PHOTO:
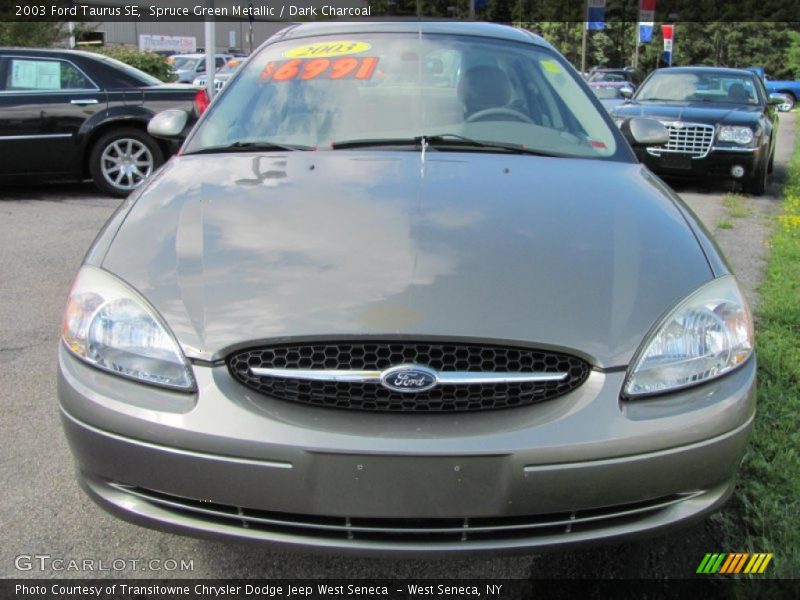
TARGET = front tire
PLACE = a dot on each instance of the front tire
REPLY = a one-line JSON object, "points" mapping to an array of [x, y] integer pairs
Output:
{"points": [[122, 159], [788, 104], [757, 184]]}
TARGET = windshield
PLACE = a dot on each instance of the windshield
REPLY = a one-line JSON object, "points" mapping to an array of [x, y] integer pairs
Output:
{"points": [[607, 76], [187, 64], [699, 87], [179, 62], [230, 66], [606, 92], [315, 92]]}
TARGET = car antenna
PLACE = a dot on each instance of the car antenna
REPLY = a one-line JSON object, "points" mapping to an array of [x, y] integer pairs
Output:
{"points": [[423, 142]]}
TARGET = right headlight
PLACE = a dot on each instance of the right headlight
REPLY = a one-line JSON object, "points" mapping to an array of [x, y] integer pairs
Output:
{"points": [[707, 335], [739, 135], [110, 326]]}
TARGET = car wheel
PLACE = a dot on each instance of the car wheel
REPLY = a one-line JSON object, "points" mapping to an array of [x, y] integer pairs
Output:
{"points": [[122, 159], [771, 165], [757, 185], [787, 104]]}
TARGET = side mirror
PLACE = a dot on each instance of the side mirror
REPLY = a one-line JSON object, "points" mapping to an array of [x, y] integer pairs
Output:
{"points": [[776, 99], [168, 124], [645, 132], [626, 91]]}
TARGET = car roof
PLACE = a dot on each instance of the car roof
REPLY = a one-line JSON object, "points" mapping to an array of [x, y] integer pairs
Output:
{"points": [[709, 70], [45, 51], [198, 55], [477, 29]]}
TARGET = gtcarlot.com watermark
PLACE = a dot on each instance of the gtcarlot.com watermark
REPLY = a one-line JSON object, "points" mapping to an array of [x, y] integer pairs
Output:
{"points": [[46, 562]]}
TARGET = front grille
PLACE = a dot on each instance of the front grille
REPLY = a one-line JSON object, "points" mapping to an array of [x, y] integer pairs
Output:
{"points": [[407, 530], [693, 139], [382, 355]]}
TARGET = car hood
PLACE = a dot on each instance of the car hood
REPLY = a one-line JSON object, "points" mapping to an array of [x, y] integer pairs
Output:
{"points": [[691, 112], [570, 254]]}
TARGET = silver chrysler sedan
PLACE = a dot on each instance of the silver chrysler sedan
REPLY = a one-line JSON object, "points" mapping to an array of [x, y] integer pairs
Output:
{"points": [[407, 289]]}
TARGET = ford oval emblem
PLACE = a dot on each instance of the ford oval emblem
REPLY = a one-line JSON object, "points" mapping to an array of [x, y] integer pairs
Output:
{"points": [[408, 379]]}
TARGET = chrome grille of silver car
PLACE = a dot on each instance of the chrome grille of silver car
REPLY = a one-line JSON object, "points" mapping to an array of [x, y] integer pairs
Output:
{"points": [[406, 530], [694, 139], [345, 375]]}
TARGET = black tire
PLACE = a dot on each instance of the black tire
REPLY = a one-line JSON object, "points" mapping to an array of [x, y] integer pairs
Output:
{"points": [[771, 165], [133, 149], [757, 184]]}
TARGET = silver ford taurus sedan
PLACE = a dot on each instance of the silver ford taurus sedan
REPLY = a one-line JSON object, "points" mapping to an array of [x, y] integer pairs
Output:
{"points": [[407, 289]]}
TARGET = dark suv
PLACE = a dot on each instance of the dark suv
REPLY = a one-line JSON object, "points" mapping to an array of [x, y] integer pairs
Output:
{"points": [[72, 114]]}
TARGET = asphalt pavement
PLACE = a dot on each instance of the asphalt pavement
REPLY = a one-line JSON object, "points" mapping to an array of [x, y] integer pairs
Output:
{"points": [[44, 232]]}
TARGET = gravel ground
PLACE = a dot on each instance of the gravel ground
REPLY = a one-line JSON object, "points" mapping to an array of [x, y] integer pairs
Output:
{"points": [[45, 230]]}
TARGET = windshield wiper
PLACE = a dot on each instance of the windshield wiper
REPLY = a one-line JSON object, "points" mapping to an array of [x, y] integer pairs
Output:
{"points": [[375, 143], [453, 139], [449, 140], [248, 146]]}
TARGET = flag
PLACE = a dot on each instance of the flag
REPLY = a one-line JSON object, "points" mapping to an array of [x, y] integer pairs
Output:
{"points": [[647, 14], [668, 31], [595, 14]]}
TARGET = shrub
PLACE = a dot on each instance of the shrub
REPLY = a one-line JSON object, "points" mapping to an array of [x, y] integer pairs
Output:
{"points": [[149, 62]]}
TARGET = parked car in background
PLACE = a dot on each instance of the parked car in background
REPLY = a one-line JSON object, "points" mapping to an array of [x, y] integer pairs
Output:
{"points": [[188, 66], [222, 76], [633, 77], [790, 89], [612, 93], [366, 311], [73, 114], [722, 123]]}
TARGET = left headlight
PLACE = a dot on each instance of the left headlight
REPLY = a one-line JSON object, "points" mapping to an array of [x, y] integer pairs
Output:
{"points": [[707, 335], [739, 135], [109, 325]]}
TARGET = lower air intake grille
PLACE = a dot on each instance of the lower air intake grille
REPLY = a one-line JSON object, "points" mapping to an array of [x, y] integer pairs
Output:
{"points": [[400, 531], [378, 356]]}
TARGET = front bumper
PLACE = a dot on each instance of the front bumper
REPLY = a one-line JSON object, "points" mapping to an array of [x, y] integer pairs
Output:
{"points": [[226, 462], [717, 164]]}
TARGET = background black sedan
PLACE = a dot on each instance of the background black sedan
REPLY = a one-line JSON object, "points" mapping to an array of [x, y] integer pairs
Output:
{"points": [[721, 123], [71, 114]]}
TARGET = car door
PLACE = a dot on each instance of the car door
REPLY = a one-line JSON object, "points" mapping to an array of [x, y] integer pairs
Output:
{"points": [[43, 103]]}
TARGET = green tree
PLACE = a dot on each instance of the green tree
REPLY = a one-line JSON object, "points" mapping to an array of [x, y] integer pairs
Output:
{"points": [[32, 34], [793, 55]]}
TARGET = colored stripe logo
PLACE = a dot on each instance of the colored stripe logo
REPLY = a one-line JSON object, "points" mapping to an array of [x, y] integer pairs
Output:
{"points": [[731, 563]]}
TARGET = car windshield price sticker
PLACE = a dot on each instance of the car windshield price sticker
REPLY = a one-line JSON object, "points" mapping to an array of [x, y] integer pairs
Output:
{"points": [[35, 75], [328, 49], [320, 68]]}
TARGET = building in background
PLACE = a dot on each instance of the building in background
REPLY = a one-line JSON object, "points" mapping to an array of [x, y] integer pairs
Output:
{"points": [[179, 37]]}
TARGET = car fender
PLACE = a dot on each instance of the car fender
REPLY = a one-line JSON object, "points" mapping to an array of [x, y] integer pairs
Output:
{"points": [[119, 115]]}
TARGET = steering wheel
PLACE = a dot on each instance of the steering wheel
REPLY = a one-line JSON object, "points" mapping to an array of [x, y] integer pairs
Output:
{"points": [[505, 112]]}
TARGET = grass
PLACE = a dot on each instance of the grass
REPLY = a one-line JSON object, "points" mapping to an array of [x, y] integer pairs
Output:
{"points": [[765, 513], [735, 205], [724, 224]]}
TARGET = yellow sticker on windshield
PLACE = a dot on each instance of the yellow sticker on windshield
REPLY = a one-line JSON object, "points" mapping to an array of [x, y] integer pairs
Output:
{"points": [[551, 65], [328, 49]]}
